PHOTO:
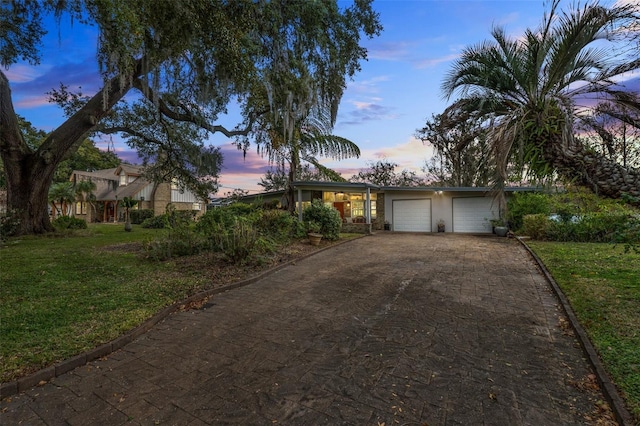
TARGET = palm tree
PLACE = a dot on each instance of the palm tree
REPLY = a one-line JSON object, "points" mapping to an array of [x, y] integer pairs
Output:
{"points": [[128, 203], [62, 193], [298, 127], [309, 141], [84, 191], [533, 92]]}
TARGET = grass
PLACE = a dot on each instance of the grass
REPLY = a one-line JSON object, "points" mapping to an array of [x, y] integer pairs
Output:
{"points": [[602, 284], [61, 296], [65, 294]]}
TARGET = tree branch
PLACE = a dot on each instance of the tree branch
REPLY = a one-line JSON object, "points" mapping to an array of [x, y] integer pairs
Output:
{"points": [[190, 117], [11, 140]]}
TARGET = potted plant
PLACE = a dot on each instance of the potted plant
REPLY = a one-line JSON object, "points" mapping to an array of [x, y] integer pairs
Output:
{"points": [[387, 225], [440, 224], [313, 232], [500, 227]]}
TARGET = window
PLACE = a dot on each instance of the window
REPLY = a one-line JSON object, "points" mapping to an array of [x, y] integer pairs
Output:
{"points": [[81, 207], [123, 179], [350, 204], [357, 209], [196, 206]]}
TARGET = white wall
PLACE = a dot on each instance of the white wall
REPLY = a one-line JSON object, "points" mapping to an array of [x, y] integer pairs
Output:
{"points": [[441, 204]]}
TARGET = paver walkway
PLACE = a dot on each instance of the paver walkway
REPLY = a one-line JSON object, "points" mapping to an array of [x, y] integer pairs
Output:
{"points": [[388, 329]]}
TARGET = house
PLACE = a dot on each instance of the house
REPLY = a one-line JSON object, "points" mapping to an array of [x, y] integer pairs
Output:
{"points": [[365, 207], [113, 185]]}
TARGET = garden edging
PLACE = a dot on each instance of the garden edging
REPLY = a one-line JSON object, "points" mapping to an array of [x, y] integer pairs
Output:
{"points": [[610, 391], [27, 382]]}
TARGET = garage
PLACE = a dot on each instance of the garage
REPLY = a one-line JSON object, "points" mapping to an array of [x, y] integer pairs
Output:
{"points": [[412, 215], [473, 214]]}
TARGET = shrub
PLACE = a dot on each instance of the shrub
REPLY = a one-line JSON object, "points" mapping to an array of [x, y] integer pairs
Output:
{"points": [[535, 226], [9, 224], [524, 203], [180, 241], [238, 242], [597, 227], [69, 222], [139, 216], [276, 224], [242, 209], [327, 217], [211, 221], [157, 222]]}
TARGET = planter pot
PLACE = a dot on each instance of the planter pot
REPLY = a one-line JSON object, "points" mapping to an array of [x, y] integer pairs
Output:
{"points": [[387, 227], [501, 231], [440, 227], [314, 238]]}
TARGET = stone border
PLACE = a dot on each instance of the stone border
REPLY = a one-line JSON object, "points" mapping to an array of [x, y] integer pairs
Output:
{"points": [[623, 416], [48, 373]]}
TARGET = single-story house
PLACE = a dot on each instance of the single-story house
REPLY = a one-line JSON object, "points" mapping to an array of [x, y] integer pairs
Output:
{"points": [[365, 207], [113, 185]]}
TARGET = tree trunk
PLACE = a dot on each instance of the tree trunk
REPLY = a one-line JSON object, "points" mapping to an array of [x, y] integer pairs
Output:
{"points": [[27, 196], [593, 170], [291, 199]]}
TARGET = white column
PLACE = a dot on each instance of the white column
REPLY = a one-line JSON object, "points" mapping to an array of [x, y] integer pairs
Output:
{"points": [[300, 204], [368, 206]]}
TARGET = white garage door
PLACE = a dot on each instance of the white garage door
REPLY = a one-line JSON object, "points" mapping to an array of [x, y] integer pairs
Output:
{"points": [[412, 215], [473, 214]]}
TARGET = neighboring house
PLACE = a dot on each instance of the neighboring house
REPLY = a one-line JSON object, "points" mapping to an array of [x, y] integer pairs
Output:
{"points": [[113, 185], [364, 207]]}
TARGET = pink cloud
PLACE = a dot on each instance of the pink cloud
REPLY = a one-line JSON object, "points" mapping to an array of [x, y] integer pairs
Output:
{"points": [[28, 102], [22, 73], [432, 62], [410, 150]]}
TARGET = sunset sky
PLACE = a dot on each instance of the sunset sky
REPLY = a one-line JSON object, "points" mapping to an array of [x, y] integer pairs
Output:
{"points": [[397, 89]]}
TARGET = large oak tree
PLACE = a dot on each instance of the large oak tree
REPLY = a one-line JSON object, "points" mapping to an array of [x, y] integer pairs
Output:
{"points": [[184, 61]]}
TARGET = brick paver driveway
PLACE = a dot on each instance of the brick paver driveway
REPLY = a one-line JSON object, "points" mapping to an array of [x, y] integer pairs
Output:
{"points": [[388, 329]]}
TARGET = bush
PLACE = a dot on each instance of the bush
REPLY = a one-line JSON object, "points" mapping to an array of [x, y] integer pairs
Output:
{"points": [[69, 222], [597, 227], [139, 216], [535, 226], [238, 242], [157, 222], [226, 216], [242, 209], [180, 241], [524, 203], [327, 217], [276, 224], [9, 224]]}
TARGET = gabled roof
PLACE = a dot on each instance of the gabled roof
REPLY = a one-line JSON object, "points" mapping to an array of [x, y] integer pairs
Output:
{"points": [[129, 169], [107, 182], [104, 174]]}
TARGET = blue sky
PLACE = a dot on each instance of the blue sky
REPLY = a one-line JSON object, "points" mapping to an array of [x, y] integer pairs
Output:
{"points": [[397, 89]]}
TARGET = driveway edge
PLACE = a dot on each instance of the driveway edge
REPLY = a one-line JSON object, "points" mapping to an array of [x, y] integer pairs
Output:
{"points": [[623, 416], [44, 375]]}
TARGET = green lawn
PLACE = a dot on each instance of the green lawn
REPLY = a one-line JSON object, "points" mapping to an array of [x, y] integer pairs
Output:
{"points": [[63, 295], [603, 286]]}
